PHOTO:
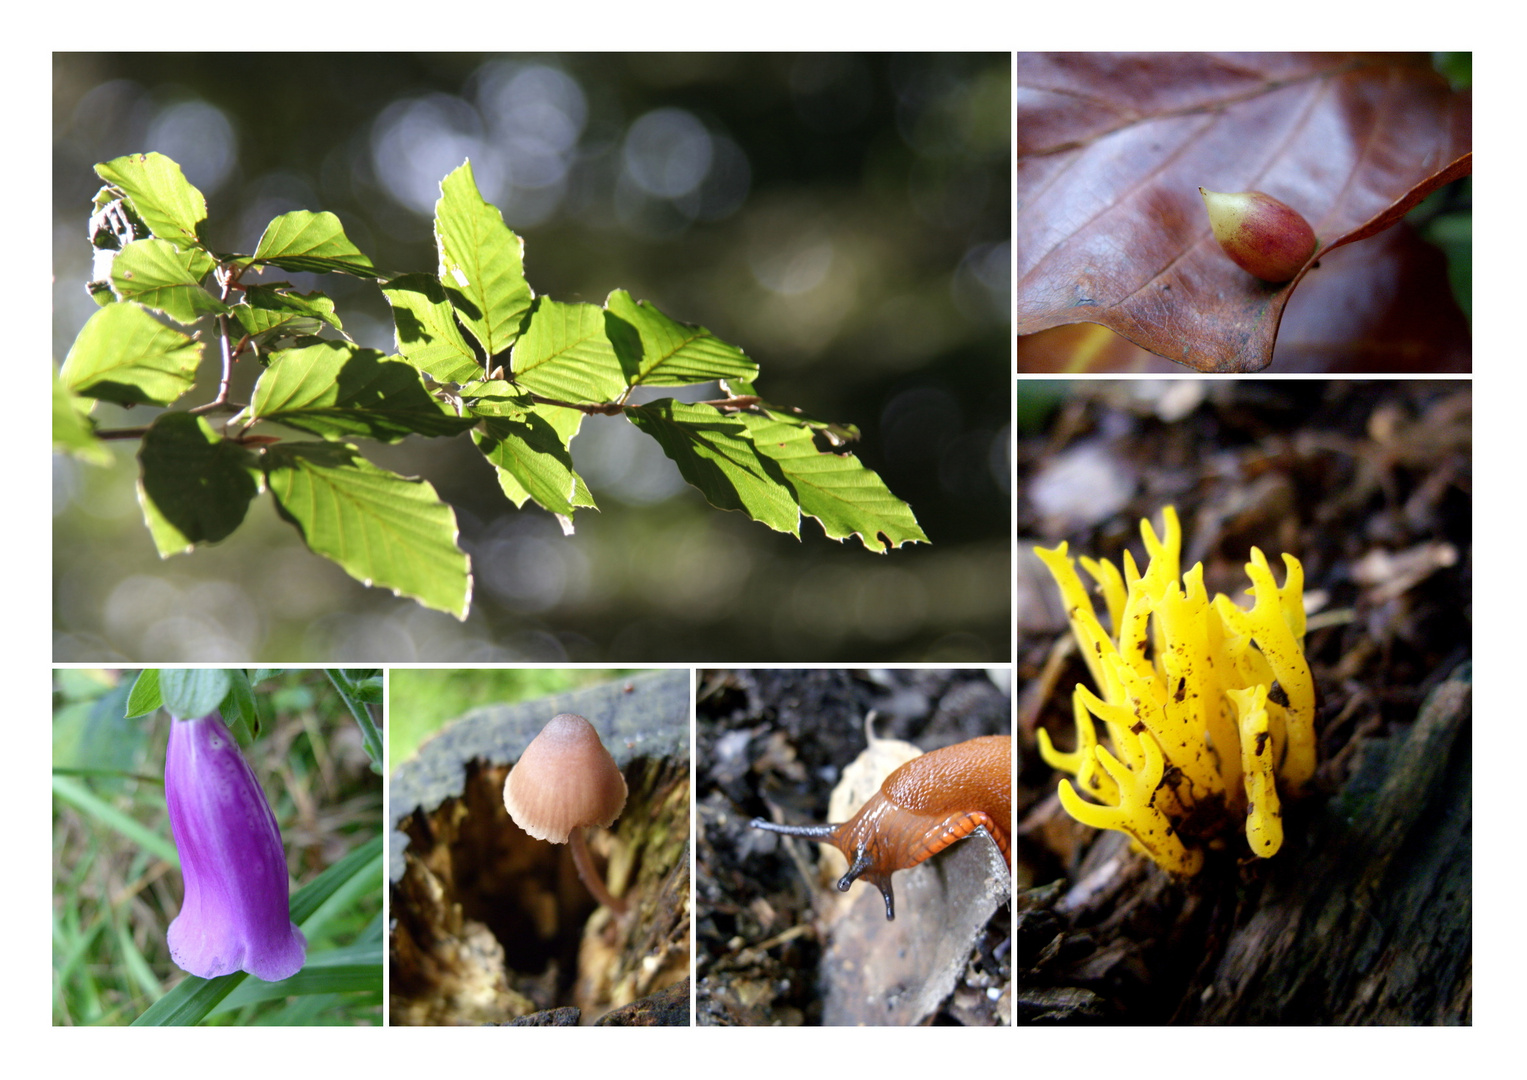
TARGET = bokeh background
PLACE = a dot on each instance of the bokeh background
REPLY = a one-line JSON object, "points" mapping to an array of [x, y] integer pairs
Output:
{"points": [[843, 219]]}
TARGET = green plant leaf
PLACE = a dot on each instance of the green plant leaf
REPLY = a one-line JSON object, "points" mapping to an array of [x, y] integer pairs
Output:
{"points": [[566, 354], [318, 976], [530, 459], [158, 275], [481, 264], [191, 693], [113, 222], [160, 195], [654, 350], [528, 446], [124, 354], [516, 436], [79, 795], [73, 433], [715, 453], [426, 330], [193, 485], [144, 697], [241, 711], [189, 1001], [837, 434], [836, 489], [354, 694], [334, 390], [316, 243], [382, 528], [364, 860], [367, 684], [269, 312]]}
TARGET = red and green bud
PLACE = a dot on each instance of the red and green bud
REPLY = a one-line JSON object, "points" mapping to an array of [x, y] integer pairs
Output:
{"points": [[1266, 238]]}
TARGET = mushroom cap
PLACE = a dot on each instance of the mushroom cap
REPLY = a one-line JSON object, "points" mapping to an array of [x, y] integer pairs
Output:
{"points": [[563, 781]]}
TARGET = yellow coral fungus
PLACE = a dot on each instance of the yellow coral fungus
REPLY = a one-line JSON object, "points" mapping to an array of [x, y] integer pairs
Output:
{"points": [[1208, 708]]}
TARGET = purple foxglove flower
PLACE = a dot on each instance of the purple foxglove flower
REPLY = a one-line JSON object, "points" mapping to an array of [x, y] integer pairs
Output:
{"points": [[236, 913]]}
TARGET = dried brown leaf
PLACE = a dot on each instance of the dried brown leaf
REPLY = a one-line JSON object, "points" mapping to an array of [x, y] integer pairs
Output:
{"points": [[1113, 148]]}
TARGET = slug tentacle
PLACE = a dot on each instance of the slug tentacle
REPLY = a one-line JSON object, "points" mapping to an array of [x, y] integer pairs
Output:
{"points": [[863, 867], [811, 832]]}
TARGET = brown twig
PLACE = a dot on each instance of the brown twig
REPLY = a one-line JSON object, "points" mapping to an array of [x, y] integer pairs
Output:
{"points": [[608, 408]]}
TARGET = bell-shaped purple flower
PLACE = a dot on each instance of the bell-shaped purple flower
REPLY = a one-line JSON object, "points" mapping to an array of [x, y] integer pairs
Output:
{"points": [[236, 913]]}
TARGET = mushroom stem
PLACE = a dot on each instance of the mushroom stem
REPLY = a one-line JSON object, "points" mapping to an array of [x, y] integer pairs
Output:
{"points": [[585, 864]]}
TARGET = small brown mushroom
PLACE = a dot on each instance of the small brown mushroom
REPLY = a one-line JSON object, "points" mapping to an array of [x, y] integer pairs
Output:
{"points": [[564, 782]]}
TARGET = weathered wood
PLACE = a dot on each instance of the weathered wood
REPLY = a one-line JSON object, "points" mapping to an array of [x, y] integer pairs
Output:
{"points": [[644, 716], [1375, 927]]}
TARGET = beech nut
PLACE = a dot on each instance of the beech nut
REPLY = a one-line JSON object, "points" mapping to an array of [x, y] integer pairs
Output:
{"points": [[1266, 238]]}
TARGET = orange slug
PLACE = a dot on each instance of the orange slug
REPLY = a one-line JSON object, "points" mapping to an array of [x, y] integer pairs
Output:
{"points": [[923, 807]]}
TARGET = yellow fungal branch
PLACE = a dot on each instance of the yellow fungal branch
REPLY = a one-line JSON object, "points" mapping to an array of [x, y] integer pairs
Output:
{"points": [[1208, 708]]}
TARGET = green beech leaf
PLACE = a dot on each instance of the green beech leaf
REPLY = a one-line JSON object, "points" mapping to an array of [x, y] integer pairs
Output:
{"points": [[303, 240], [194, 486], [566, 354], [114, 223], [481, 264], [191, 693], [528, 447], [655, 350], [160, 194], [565, 422], [426, 329], [835, 433], [382, 528], [531, 461], [158, 275], [836, 489], [73, 433], [271, 311], [334, 389], [124, 354], [715, 453], [530, 464]]}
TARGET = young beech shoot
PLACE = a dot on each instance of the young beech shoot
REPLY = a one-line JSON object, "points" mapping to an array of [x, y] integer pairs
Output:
{"points": [[476, 351], [1266, 238]]}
